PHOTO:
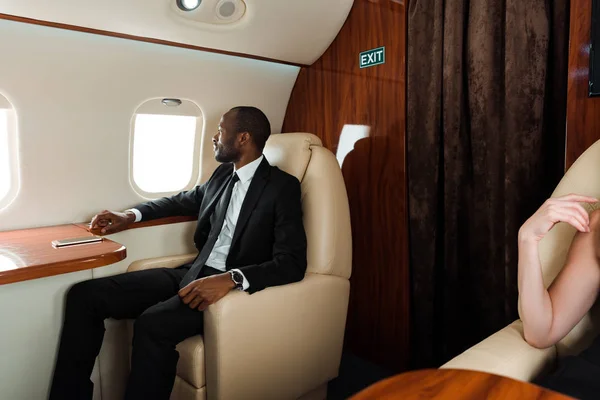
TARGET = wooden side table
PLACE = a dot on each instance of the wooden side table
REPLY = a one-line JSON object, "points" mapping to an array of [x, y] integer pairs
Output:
{"points": [[454, 384], [28, 254]]}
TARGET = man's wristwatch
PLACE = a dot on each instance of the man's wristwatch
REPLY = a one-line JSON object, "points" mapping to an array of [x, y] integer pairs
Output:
{"points": [[237, 278]]}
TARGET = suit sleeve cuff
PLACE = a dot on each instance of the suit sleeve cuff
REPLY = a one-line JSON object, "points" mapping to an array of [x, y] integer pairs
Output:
{"points": [[138, 214], [246, 284]]}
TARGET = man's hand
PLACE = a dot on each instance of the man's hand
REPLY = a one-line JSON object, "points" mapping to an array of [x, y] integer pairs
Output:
{"points": [[108, 222], [203, 292]]}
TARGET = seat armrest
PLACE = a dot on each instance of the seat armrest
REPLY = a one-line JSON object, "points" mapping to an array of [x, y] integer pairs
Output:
{"points": [[278, 343], [506, 353], [161, 262]]}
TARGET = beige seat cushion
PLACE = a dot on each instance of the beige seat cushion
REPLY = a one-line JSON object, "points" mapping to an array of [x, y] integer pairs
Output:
{"points": [[324, 200], [505, 353], [190, 367], [191, 361]]}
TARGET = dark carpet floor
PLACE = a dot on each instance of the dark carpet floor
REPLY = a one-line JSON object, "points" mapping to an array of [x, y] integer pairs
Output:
{"points": [[355, 375]]}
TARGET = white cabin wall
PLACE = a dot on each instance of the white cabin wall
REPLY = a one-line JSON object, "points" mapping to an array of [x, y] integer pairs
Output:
{"points": [[75, 94], [31, 314]]}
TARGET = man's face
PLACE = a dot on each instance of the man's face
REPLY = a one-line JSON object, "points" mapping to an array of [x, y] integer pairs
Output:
{"points": [[225, 142]]}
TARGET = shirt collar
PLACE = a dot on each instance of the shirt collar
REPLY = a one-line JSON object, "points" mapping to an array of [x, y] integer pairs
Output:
{"points": [[247, 172]]}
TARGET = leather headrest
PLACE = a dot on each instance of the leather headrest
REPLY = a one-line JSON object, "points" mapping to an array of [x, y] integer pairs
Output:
{"points": [[290, 152]]}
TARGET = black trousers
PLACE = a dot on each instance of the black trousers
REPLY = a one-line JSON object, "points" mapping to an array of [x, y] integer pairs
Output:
{"points": [[577, 376], [161, 321]]}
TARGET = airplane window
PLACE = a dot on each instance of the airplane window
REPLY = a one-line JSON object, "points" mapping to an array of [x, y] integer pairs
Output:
{"points": [[164, 152], [8, 172], [4, 166]]}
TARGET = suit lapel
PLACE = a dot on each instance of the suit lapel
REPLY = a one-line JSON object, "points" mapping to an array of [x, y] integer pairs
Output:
{"points": [[255, 190]]}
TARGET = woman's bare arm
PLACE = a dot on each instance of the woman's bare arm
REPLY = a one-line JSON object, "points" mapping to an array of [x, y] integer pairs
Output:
{"points": [[548, 315]]}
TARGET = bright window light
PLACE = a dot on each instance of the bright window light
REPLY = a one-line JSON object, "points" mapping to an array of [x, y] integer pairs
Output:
{"points": [[4, 154], [349, 136], [163, 152]]}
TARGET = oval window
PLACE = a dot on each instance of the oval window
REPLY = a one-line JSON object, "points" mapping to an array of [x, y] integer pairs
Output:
{"points": [[164, 147], [9, 177]]}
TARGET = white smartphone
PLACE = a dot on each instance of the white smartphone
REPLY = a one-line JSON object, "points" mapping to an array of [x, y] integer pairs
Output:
{"points": [[76, 241]]}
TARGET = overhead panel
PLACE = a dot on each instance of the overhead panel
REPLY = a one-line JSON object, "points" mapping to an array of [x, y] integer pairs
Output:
{"points": [[293, 31]]}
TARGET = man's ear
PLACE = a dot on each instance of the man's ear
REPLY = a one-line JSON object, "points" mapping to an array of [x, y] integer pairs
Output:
{"points": [[244, 138]]}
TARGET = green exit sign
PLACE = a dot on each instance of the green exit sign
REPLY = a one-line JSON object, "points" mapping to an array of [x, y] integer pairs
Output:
{"points": [[373, 57]]}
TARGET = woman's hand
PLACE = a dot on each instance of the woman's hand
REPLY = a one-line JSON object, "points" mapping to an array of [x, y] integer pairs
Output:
{"points": [[561, 209]]}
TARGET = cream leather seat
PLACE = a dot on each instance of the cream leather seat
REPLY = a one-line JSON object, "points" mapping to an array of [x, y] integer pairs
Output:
{"points": [[506, 352], [284, 342]]}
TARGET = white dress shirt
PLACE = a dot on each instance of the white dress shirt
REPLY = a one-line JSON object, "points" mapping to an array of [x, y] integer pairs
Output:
{"points": [[219, 253]]}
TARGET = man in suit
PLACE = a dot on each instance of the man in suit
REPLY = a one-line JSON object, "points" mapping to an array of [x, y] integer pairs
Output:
{"points": [[249, 235]]}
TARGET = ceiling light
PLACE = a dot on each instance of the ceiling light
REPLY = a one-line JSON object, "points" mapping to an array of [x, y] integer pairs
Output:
{"points": [[188, 5]]}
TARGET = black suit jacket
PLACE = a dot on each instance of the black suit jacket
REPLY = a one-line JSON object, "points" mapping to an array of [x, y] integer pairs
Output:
{"points": [[269, 241]]}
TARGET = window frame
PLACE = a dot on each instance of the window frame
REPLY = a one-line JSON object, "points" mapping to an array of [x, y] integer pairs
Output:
{"points": [[13, 153], [154, 106]]}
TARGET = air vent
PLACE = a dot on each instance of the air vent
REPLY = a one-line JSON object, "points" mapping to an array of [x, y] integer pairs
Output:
{"points": [[227, 9], [230, 10]]}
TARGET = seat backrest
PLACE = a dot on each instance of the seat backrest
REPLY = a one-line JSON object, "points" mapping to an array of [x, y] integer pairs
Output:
{"points": [[582, 178], [324, 199]]}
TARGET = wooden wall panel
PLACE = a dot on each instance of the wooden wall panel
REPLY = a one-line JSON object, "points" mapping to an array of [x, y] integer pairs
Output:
{"points": [[334, 93], [583, 112]]}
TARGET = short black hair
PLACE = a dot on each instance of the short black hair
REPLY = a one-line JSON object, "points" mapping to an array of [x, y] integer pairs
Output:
{"points": [[255, 122]]}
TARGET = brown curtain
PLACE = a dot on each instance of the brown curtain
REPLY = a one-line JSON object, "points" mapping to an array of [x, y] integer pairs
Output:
{"points": [[486, 96]]}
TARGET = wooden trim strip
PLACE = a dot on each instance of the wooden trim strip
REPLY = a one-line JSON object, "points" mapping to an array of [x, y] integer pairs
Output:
{"points": [[156, 222], [163, 221], [94, 31]]}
